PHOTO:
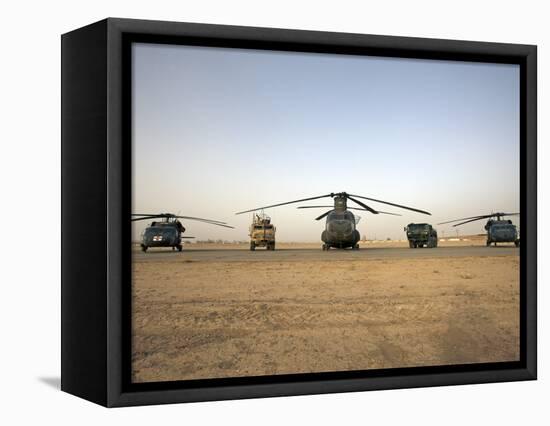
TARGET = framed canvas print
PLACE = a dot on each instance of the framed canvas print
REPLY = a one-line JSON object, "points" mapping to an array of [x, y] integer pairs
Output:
{"points": [[253, 212]]}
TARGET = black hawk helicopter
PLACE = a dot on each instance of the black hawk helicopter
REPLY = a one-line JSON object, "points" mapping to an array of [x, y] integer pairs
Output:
{"points": [[498, 230], [340, 229], [168, 231]]}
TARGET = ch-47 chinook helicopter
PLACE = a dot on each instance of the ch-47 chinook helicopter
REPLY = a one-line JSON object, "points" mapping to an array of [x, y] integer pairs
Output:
{"points": [[168, 231], [498, 230], [340, 230]]}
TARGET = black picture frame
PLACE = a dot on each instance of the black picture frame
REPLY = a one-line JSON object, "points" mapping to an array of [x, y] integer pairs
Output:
{"points": [[95, 290]]}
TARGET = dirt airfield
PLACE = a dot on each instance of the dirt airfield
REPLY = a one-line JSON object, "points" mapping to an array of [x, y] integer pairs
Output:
{"points": [[196, 319]]}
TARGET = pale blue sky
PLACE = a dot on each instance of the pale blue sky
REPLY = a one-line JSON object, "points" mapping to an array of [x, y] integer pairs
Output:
{"points": [[219, 130]]}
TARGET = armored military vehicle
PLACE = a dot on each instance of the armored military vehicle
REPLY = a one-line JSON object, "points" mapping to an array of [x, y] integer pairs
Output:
{"points": [[262, 232], [421, 234]]}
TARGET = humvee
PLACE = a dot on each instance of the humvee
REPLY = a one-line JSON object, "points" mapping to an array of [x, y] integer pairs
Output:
{"points": [[262, 232], [420, 235]]}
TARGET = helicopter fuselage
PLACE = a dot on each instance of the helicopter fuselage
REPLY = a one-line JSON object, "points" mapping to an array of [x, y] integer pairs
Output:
{"points": [[340, 231], [162, 234], [501, 231]]}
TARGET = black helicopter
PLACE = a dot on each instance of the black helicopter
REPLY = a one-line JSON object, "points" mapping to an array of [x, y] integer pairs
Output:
{"points": [[168, 231], [340, 230], [498, 230]]}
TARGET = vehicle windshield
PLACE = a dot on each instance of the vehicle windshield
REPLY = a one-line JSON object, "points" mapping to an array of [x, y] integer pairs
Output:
{"points": [[419, 227]]}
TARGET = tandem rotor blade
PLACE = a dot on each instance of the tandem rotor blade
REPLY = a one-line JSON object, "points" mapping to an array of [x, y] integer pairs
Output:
{"points": [[379, 211], [285, 203], [349, 208], [363, 205], [392, 204], [323, 215], [393, 214]]}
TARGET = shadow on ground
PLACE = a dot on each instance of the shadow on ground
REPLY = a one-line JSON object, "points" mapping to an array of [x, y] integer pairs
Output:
{"points": [[54, 382]]}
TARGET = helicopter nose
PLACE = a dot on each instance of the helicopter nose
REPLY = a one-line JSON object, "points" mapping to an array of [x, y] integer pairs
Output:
{"points": [[340, 228]]}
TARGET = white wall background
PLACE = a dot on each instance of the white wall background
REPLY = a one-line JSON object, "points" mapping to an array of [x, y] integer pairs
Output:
{"points": [[30, 202]]}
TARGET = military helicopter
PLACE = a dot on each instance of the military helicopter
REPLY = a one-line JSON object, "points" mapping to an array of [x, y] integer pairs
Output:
{"points": [[498, 230], [340, 229], [168, 231]]}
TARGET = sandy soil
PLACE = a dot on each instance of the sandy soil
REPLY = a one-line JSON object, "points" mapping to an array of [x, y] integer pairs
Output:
{"points": [[196, 319]]}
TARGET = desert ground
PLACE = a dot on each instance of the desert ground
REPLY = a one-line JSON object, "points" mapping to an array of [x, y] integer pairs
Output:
{"points": [[218, 310]]}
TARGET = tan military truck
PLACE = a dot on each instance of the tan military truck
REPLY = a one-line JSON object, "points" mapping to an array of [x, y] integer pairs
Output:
{"points": [[262, 232]]}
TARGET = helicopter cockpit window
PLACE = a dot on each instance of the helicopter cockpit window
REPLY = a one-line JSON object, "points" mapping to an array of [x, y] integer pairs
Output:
{"points": [[341, 216], [164, 231]]}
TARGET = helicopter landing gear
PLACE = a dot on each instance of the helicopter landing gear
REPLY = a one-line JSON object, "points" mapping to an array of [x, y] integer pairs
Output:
{"points": [[143, 248], [179, 247]]}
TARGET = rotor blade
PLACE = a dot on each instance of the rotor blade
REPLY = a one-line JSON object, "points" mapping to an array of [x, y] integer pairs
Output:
{"points": [[282, 204], [467, 218], [218, 224], [363, 205], [510, 214], [379, 211], [471, 220], [392, 204], [200, 218], [349, 208], [393, 214], [186, 237], [323, 215], [144, 218]]}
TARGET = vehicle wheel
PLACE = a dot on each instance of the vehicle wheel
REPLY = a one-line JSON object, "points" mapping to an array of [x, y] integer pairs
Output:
{"points": [[143, 248], [411, 244], [488, 243], [273, 246], [252, 246], [179, 247], [355, 247], [516, 243], [325, 247]]}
